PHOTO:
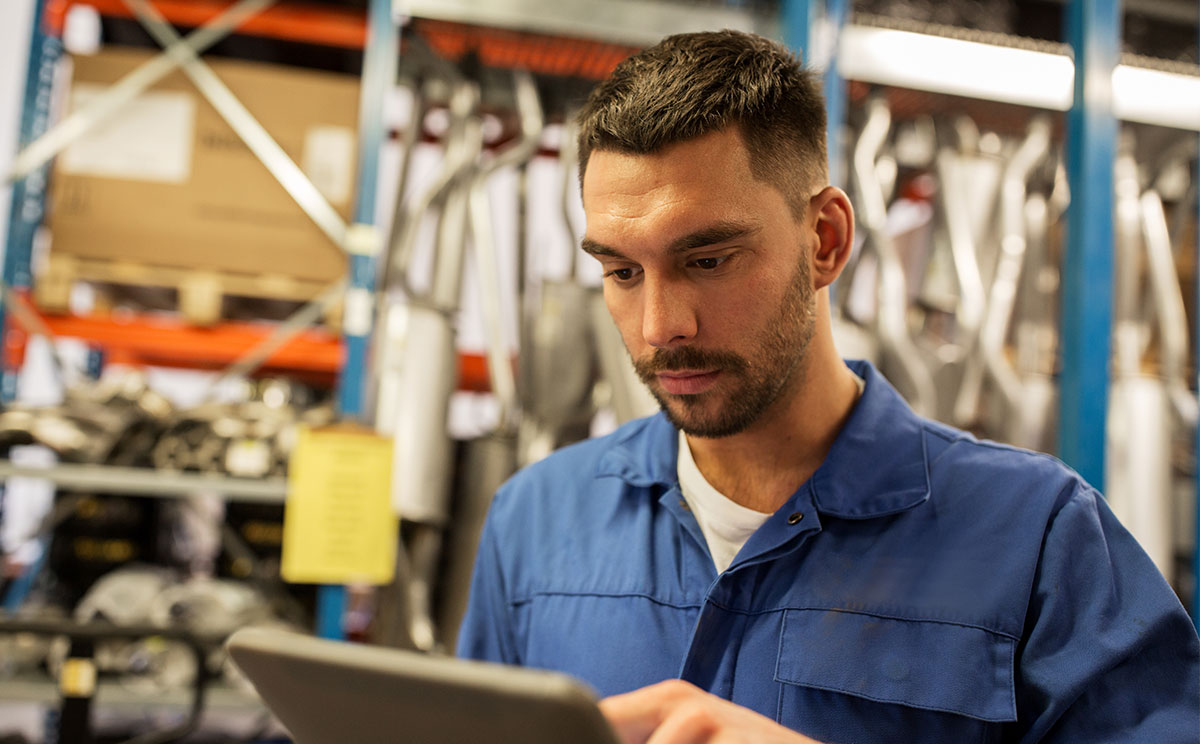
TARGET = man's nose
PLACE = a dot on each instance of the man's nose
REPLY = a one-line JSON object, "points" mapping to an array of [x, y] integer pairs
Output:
{"points": [[668, 314]]}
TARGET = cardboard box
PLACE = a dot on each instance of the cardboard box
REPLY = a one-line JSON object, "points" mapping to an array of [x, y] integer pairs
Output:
{"points": [[166, 182]]}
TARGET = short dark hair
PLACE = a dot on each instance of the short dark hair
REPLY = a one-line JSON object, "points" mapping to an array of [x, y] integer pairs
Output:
{"points": [[689, 85]]}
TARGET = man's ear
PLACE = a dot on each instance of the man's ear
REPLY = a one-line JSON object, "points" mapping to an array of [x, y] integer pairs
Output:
{"points": [[832, 217]]}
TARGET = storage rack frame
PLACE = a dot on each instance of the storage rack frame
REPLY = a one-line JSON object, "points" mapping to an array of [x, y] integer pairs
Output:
{"points": [[1094, 35]]}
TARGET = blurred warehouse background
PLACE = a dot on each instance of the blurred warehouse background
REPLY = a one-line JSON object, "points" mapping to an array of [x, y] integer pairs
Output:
{"points": [[359, 218]]}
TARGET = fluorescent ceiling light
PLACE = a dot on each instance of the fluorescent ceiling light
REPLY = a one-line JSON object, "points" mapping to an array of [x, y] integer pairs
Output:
{"points": [[956, 67], [1010, 75], [1156, 97]]}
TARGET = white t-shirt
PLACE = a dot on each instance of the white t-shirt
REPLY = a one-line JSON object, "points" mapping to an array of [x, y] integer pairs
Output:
{"points": [[726, 524]]}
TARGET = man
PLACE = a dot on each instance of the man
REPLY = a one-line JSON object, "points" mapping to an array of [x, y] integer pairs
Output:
{"points": [[787, 540]]}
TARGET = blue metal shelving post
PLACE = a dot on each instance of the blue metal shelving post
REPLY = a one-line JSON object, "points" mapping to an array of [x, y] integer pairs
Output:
{"points": [[835, 91], [802, 32], [797, 22], [29, 193], [818, 45], [1094, 32], [363, 243]]}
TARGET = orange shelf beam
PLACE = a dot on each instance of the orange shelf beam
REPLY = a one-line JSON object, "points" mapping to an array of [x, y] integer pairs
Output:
{"points": [[169, 341], [539, 53], [344, 27], [315, 24], [164, 341]]}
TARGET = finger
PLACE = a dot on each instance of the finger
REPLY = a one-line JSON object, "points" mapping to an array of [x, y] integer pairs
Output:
{"points": [[689, 723], [634, 715]]}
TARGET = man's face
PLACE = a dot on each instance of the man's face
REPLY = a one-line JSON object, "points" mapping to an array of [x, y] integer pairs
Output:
{"points": [[706, 273]]}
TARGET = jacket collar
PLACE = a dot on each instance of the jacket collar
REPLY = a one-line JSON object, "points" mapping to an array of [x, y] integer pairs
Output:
{"points": [[877, 465]]}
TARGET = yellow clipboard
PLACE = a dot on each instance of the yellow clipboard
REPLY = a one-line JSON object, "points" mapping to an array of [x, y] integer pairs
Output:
{"points": [[338, 523]]}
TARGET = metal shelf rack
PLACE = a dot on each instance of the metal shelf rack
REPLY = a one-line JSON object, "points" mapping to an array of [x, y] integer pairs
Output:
{"points": [[157, 483], [812, 24], [376, 32], [1096, 94]]}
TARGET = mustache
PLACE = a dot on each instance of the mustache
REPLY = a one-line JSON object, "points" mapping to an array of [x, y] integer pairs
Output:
{"points": [[686, 357]]}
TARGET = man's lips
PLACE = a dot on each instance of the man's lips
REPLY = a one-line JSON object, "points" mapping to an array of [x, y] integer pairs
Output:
{"points": [[688, 382]]}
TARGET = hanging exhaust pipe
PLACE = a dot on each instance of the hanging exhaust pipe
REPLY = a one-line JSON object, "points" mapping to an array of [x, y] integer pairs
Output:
{"points": [[998, 314], [557, 352], [891, 316], [1138, 465], [415, 391], [489, 460]]}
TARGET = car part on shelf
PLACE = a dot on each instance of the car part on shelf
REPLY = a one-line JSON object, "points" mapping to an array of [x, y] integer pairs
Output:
{"points": [[1024, 418], [1138, 459], [416, 386], [415, 390], [1148, 411], [82, 636], [489, 460], [251, 438], [558, 365], [529, 112], [112, 421], [891, 314], [152, 597]]}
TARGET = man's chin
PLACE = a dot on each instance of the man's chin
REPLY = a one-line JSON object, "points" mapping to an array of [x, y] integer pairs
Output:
{"points": [[686, 413]]}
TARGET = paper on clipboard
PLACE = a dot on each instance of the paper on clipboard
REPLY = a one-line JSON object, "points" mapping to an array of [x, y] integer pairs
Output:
{"points": [[338, 525]]}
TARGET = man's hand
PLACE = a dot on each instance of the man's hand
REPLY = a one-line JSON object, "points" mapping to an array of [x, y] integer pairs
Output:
{"points": [[677, 712]]}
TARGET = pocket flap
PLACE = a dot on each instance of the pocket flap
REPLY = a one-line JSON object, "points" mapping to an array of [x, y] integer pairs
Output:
{"points": [[922, 664]]}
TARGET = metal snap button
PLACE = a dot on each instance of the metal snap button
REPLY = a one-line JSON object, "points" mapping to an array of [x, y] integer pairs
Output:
{"points": [[795, 517]]}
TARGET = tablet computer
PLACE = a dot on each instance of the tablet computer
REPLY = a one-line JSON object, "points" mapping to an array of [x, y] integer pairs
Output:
{"points": [[331, 692]]}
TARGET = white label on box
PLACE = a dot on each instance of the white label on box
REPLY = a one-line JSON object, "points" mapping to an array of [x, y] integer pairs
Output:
{"points": [[329, 161], [148, 139]]}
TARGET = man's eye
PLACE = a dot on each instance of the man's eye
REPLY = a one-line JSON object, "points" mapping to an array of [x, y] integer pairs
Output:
{"points": [[709, 263], [621, 275]]}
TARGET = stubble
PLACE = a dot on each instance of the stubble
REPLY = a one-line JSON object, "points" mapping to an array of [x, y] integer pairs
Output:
{"points": [[752, 385]]}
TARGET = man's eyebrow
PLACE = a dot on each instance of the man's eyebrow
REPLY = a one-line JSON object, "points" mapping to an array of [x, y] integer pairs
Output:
{"points": [[718, 233], [598, 249]]}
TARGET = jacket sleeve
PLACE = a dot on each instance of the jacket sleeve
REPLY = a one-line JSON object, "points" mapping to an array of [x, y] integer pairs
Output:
{"points": [[486, 632], [1108, 653]]}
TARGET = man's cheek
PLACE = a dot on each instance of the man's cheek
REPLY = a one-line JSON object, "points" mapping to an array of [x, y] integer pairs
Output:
{"points": [[629, 323]]}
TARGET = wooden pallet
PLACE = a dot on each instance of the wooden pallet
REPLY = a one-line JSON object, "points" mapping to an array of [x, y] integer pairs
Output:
{"points": [[200, 293]]}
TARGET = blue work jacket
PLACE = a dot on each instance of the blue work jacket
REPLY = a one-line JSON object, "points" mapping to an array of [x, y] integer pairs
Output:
{"points": [[922, 586]]}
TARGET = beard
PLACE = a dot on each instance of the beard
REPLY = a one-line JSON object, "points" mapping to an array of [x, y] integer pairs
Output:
{"points": [[757, 382]]}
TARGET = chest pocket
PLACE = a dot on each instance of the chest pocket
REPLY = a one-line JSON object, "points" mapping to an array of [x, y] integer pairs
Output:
{"points": [[848, 677]]}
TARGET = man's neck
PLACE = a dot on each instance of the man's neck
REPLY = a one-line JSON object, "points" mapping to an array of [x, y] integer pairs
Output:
{"points": [[761, 467]]}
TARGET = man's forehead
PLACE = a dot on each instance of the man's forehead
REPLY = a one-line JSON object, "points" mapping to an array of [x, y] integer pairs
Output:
{"points": [[678, 162], [619, 211], [717, 161]]}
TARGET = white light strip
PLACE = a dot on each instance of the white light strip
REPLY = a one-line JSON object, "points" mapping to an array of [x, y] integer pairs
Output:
{"points": [[1156, 97], [956, 67], [1040, 79]]}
